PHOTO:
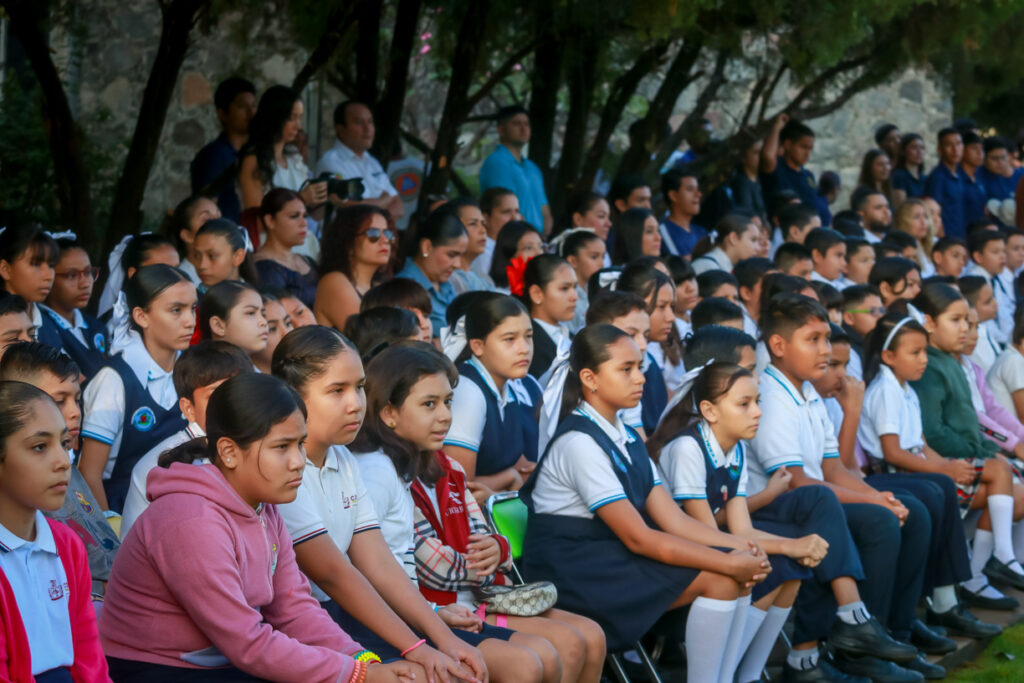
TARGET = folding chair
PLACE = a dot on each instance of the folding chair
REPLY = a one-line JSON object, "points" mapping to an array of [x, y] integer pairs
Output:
{"points": [[506, 515]]}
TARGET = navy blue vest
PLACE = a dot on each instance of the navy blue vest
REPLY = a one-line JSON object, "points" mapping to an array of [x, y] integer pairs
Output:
{"points": [[720, 483], [636, 477], [145, 425], [655, 396], [504, 440], [91, 356]]}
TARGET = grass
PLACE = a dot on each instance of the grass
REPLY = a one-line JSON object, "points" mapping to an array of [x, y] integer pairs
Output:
{"points": [[995, 664]]}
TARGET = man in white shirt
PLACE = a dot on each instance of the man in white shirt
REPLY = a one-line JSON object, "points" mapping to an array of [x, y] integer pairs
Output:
{"points": [[350, 158]]}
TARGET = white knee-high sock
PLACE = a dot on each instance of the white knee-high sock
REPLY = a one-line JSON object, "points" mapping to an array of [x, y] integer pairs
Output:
{"points": [[731, 657], [760, 648], [981, 550], [1000, 509], [755, 617], [707, 635]]}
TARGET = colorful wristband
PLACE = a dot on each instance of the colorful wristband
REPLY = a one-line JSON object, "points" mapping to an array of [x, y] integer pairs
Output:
{"points": [[366, 656], [413, 647]]}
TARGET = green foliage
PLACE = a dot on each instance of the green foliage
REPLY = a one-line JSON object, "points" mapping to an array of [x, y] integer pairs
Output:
{"points": [[26, 168], [1003, 661]]}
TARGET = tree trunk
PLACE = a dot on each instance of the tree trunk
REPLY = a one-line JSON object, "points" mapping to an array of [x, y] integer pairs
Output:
{"points": [[651, 130], [388, 113], [368, 51], [179, 17], [464, 60], [27, 20], [618, 97], [544, 83], [581, 78]]}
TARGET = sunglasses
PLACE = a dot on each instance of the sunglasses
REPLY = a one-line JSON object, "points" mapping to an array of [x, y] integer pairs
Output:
{"points": [[374, 235]]}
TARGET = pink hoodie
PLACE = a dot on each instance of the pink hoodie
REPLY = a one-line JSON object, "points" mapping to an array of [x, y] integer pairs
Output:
{"points": [[204, 580]]}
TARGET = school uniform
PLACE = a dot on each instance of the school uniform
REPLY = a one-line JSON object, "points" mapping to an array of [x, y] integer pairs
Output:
{"points": [[716, 259], [987, 350], [671, 373], [130, 404], [1001, 328], [655, 396], [893, 408], [49, 624], [818, 277], [549, 341], [591, 463], [1006, 376], [498, 427], [696, 468], [136, 500], [796, 432], [85, 340]]}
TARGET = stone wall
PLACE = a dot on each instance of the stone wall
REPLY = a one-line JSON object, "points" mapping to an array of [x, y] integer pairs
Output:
{"points": [[111, 75]]}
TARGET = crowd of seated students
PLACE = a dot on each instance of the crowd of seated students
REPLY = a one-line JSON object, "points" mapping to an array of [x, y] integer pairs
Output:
{"points": [[266, 454]]}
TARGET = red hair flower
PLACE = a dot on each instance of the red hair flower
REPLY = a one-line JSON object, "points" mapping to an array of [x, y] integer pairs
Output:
{"points": [[515, 271]]}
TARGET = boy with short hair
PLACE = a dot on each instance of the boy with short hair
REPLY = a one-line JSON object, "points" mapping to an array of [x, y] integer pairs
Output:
{"points": [[794, 259], [949, 255], [717, 311], [499, 205], [679, 234], [860, 259], [53, 372], [988, 259], [796, 434], [862, 307], [945, 184], [795, 221], [788, 170], [749, 273], [197, 373], [404, 293], [15, 322], [828, 254]]}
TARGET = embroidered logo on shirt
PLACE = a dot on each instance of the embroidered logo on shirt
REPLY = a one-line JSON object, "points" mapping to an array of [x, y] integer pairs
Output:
{"points": [[143, 419], [56, 590], [99, 342], [85, 505]]}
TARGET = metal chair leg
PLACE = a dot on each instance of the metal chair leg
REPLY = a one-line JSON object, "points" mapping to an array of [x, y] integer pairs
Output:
{"points": [[652, 672], [615, 663]]}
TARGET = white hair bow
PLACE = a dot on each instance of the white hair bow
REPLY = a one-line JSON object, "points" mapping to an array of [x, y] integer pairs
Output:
{"points": [[684, 388], [66, 235], [115, 280], [558, 240], [119, 325], [915, 313], [552, 402], [453, 339]]}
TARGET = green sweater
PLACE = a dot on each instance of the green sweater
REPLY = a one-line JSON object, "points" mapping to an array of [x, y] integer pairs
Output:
{"points": [[947, 413]]}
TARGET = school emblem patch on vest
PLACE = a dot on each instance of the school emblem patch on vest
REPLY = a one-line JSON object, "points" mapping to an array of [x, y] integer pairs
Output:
{"points": [[99, 342], [143, 419]]}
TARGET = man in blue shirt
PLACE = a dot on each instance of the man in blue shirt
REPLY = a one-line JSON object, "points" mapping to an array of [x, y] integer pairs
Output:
{"points": [[945, 183], [997, 174], [235, 100], [786, 171], [679, 235], [506, 167]]}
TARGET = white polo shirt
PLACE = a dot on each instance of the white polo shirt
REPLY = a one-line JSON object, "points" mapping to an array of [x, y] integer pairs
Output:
{"points": [[889, 408], [76, 328], [794, 431], [394, 505], [103, 399], [1001, 328], [469, 406], [345, 163], [136, 502], [682, 463], [716, 259], [1007, 376], [577, 478], [332, 500], [36, 575]]}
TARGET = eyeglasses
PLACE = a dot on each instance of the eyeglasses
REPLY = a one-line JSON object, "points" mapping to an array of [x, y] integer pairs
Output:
{"points": [[73, 276], [374, 235], [877, 310]]}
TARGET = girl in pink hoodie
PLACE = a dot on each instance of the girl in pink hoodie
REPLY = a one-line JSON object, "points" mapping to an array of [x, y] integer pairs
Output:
{"points": [[205, 586]]}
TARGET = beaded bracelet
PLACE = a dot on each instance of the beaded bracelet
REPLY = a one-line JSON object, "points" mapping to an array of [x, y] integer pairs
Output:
{"points": [[359, 673], [413, 647], [366, 656]]}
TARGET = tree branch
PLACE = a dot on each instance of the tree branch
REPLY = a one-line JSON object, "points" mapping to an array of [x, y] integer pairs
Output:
{"points": [[501, 72], [766, 97], [338, 24]]}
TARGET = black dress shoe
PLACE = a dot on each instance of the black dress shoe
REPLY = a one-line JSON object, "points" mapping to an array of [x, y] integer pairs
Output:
{"points": [[878, 670], [932, 672], [819, 674], [928, 641], [972, 599], [1000, 571], [959, 622], [868, 639]]}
